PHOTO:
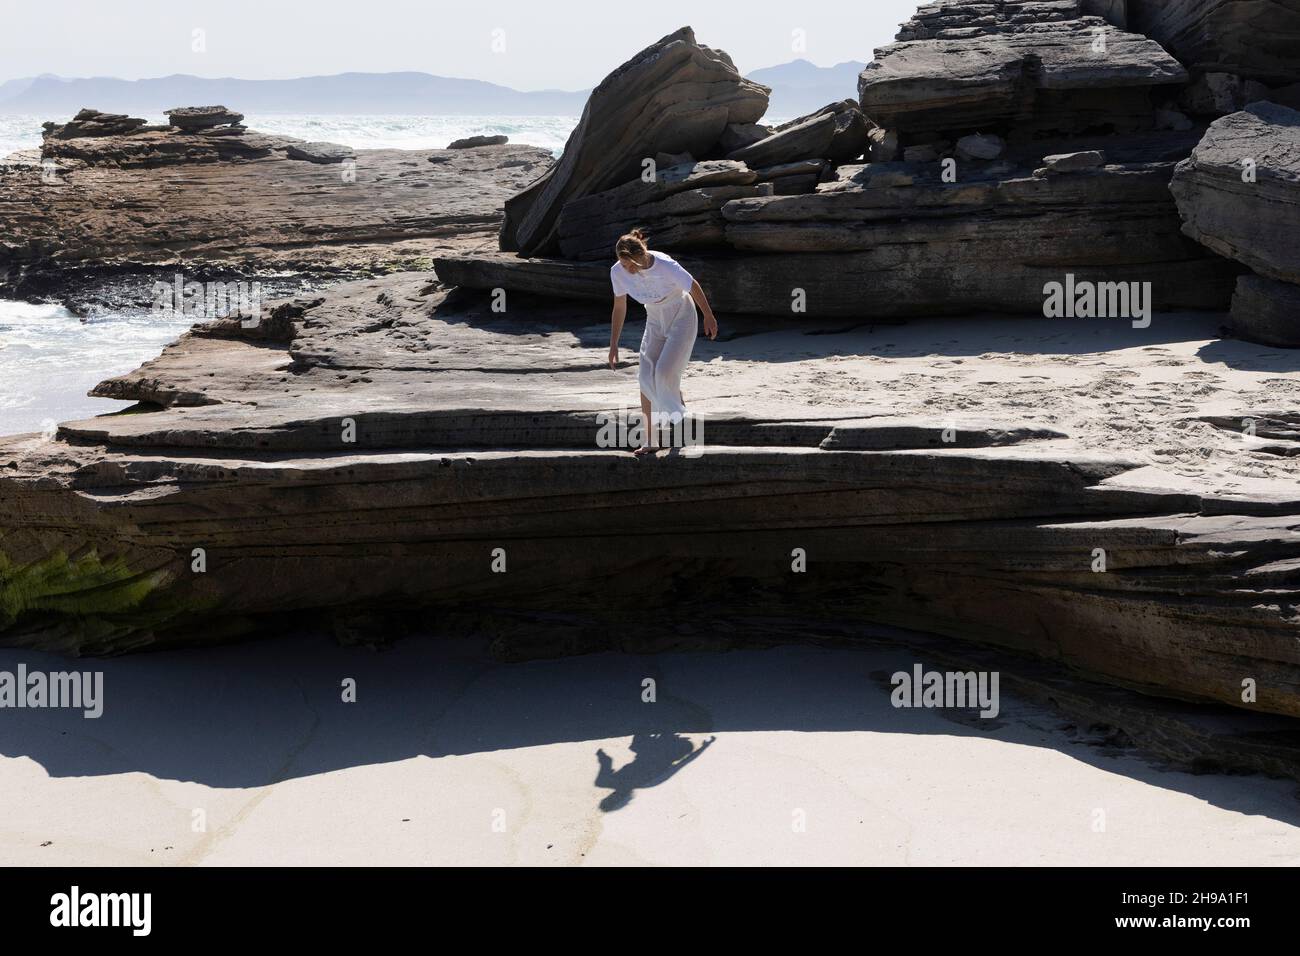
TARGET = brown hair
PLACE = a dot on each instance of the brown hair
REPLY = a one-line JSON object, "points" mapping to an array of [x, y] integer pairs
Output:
{"points": [[631, 246]]}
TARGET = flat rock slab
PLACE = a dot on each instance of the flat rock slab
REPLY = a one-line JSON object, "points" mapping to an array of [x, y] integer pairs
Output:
{"points": [[251, 203]]}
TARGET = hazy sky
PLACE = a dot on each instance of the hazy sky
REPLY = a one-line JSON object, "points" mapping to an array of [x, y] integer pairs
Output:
{"points": [[548, 44]]}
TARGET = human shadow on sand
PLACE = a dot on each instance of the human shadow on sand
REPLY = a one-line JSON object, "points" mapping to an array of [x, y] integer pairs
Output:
{"points": [[658, 757], [259, 713]]}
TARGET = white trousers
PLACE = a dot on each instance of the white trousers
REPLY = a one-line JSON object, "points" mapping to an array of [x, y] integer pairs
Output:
{"points": [[670, 330]]}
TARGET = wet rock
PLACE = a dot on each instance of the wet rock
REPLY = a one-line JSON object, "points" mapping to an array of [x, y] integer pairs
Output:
{"points": [[323, 153], [474, 142]]}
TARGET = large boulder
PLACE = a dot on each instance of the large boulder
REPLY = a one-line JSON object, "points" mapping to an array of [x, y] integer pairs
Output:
{"points": [[1021, 66], [1259, 39], [675, 96], [474, 142], [1239, 192]]}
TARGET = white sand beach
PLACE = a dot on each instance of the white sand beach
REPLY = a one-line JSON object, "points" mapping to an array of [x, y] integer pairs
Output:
{"points": [[766, 757]]}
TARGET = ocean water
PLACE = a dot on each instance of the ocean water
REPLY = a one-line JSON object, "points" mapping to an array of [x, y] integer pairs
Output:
{"points": [[359, 132], [50, 358]]}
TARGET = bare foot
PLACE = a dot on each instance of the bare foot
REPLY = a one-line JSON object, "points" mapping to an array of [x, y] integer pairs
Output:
{"points": [[645, 452]]}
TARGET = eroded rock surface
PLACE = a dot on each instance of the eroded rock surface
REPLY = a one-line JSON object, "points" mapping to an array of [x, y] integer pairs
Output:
{"points": [[1026, 66], [1251, 38], [110, 193]]}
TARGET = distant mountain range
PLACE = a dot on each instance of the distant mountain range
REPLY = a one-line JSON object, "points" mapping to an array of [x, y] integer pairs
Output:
{"points": [[798, 87], [801, 87]]}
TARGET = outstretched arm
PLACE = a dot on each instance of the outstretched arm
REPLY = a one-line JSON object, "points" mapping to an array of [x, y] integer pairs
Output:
{"points": [[616, 320], [710, 320]]}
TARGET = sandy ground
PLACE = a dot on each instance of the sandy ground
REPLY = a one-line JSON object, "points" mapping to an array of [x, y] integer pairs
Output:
{"points": [[1139, 393], [783, 756]]}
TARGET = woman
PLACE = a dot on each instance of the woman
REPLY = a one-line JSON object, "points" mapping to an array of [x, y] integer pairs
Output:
{"points": [[670, 295]]}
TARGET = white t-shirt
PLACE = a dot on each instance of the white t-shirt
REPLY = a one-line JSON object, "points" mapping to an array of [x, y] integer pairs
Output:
{"points": [[661, 280]]}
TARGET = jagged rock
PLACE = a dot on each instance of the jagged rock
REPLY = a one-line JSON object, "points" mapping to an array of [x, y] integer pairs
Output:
{"points": [[680, 209], [791, 179], [191, 118], [981, 147], [323, 153], [1251, 38], [675, 96], [1266, 311], [1072, 162], [1018, 67], [90, 122], [739, 135], [1214, 94], [1239, 192], [837, 132], [922, 246], [882, 146], [474, 142]]}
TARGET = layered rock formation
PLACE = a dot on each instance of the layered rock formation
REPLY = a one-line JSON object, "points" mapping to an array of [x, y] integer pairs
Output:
{"points": [[113, 192], [1028, 68], [370, 449], [973, 99], [1239, 194], [1258, 39]]}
